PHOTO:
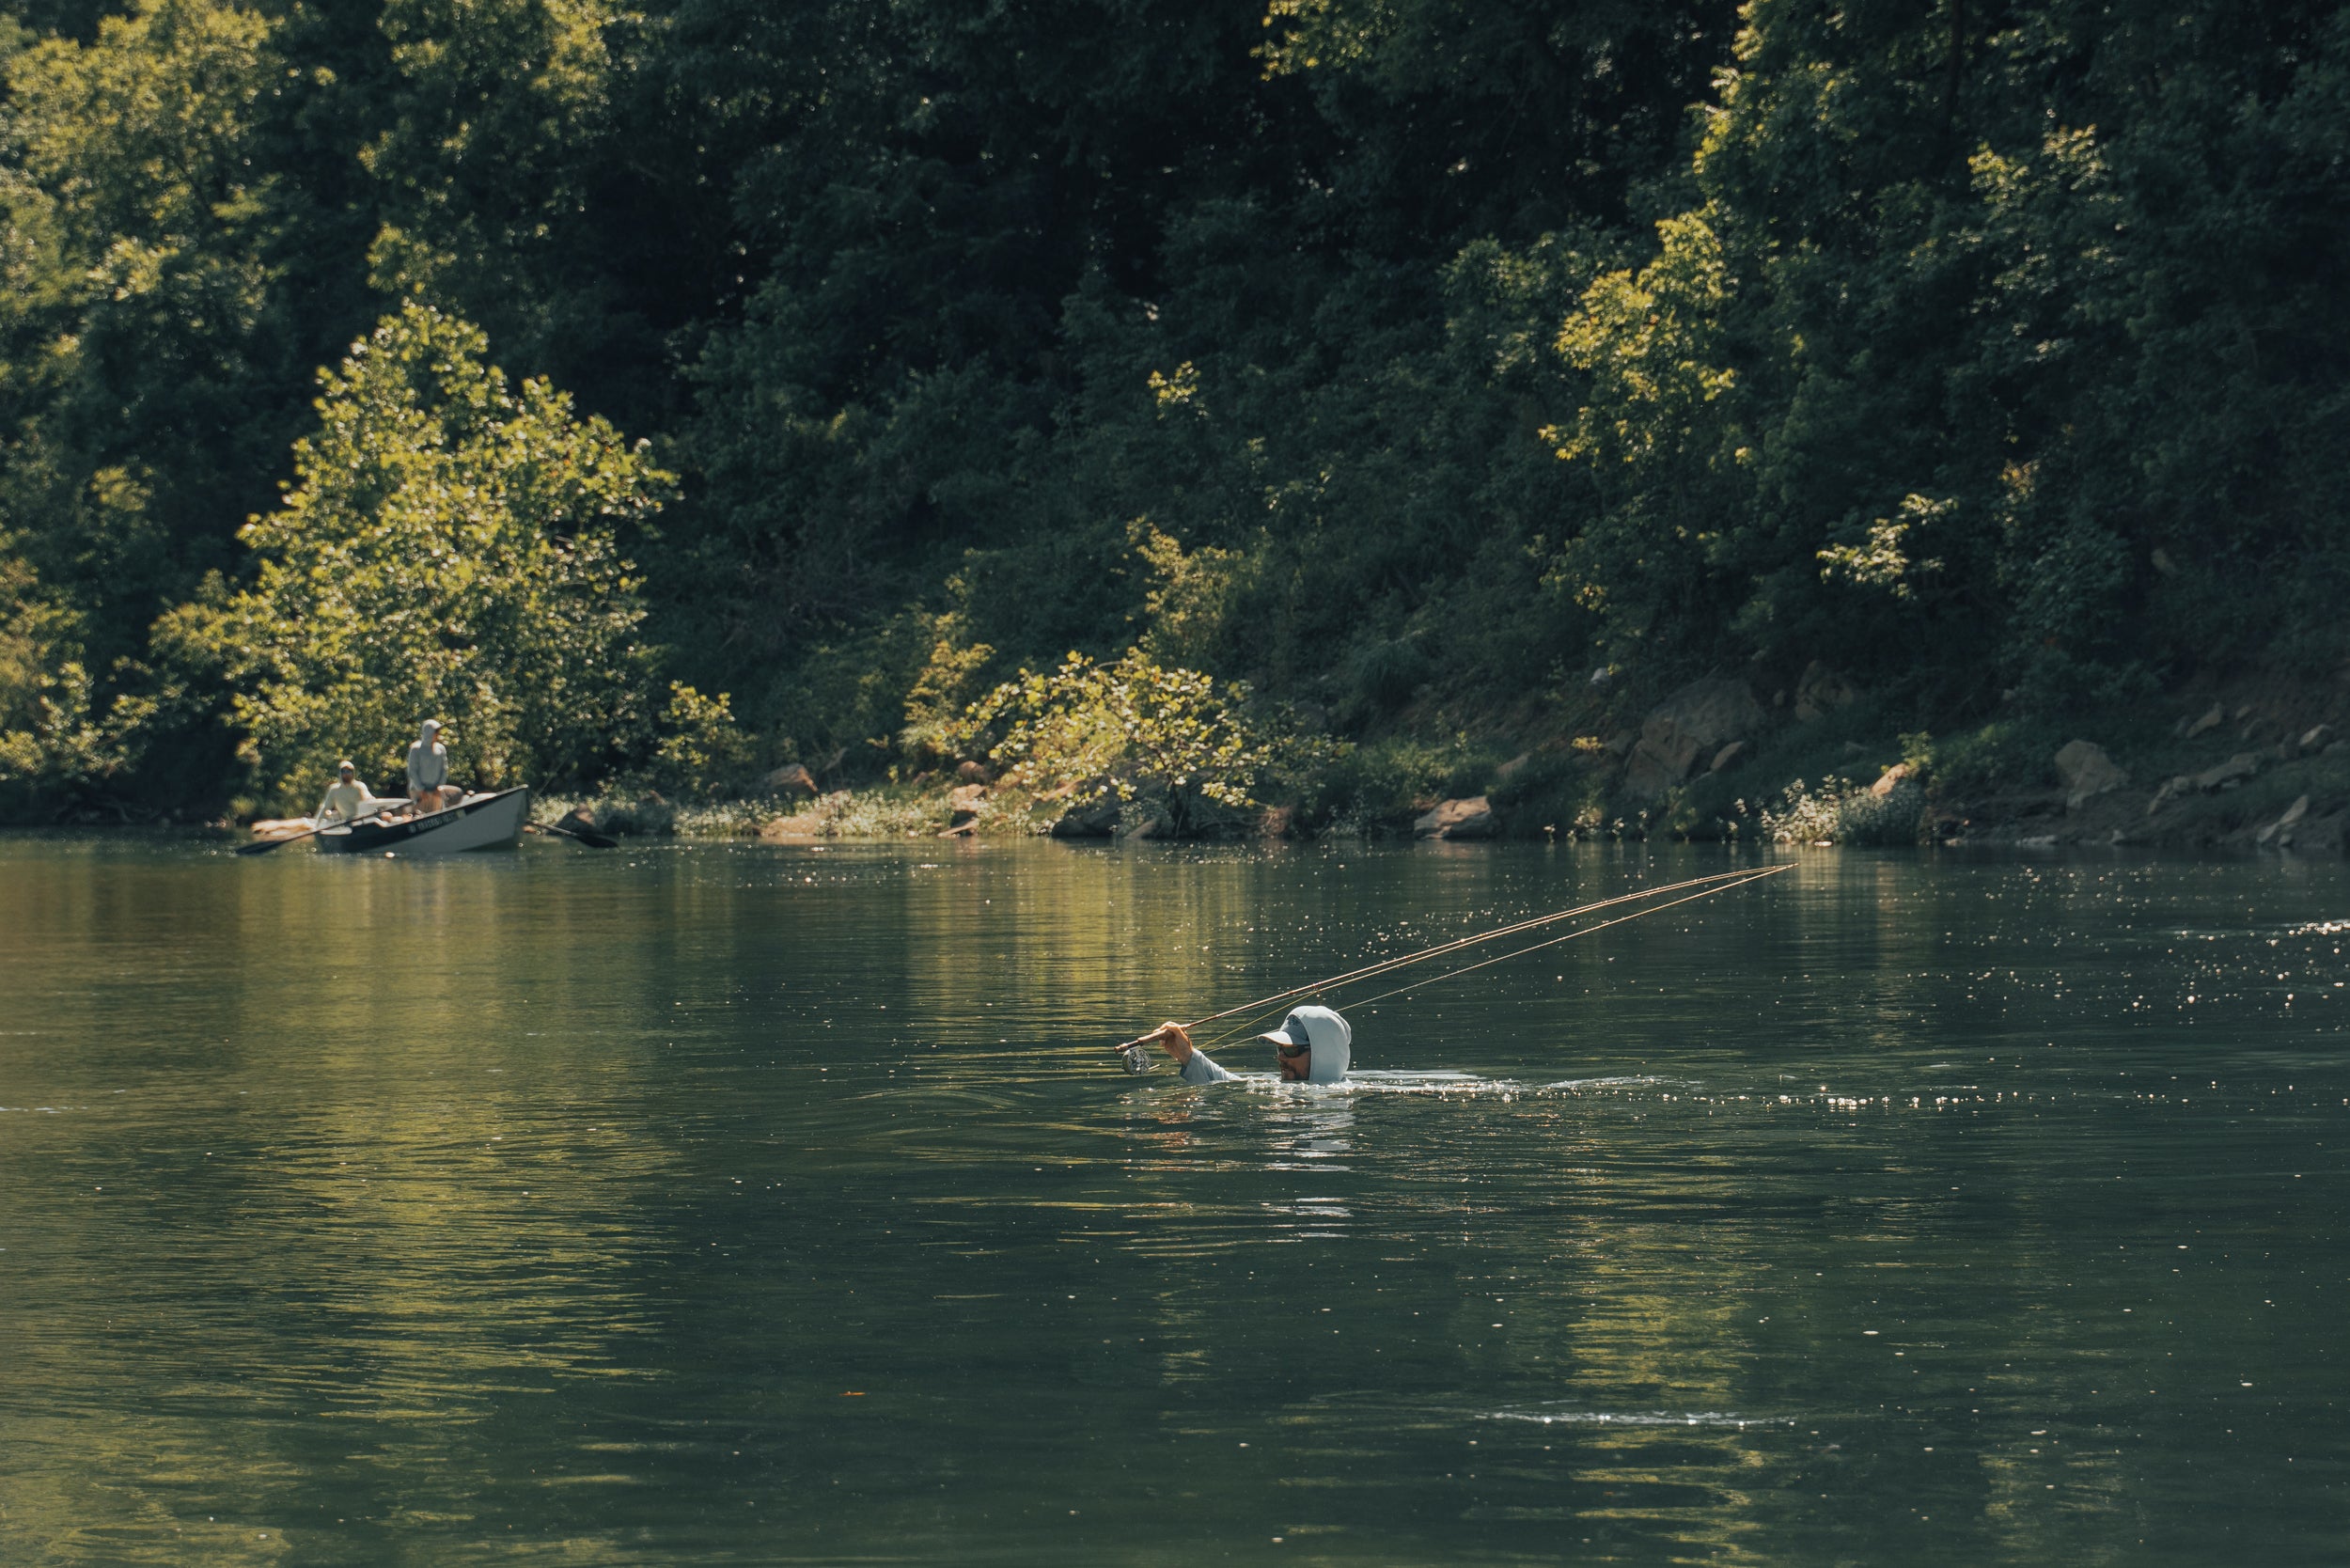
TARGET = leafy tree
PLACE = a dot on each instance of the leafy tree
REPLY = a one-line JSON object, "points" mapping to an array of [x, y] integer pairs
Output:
{"points": [[1178, 742], [450, 548]]}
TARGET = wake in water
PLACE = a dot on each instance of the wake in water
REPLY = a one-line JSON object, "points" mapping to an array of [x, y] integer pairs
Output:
{"points": [[1442, 1083]]}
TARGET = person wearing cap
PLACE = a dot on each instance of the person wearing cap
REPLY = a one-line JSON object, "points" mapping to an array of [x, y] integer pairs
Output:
{"points": [[346, 800], [428, 767], [1312, 1045]]}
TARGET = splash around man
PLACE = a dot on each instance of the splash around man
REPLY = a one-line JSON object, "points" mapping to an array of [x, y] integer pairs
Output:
{"points": [[1312, 1045]]}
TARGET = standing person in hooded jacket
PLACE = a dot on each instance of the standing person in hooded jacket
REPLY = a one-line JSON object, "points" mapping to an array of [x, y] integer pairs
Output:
{"points": [[427, 769], [1313, 1045]]}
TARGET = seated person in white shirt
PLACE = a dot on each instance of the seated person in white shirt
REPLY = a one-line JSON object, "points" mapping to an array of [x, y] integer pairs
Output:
{"points": [[346, 800], [1312, 1045]]}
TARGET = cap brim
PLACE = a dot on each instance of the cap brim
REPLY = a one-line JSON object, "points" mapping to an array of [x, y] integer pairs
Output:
{"points": [[1278, 1038]]}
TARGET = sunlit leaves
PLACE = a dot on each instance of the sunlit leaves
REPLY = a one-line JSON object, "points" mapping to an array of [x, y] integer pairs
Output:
{"points": [[1175, 740], [450, 549]]}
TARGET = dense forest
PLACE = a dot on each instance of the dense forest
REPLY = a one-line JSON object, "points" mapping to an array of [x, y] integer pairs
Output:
{"points": [[667, 391]]}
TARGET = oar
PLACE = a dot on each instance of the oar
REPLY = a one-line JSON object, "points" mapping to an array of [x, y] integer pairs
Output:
{"points": [[268, 844], [593, 840]]}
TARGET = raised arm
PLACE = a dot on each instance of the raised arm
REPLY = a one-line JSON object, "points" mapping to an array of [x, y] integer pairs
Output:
{"points": [[1176, 1038]]}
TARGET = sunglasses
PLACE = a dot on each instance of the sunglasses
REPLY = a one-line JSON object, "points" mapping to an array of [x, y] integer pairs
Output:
{"points": [[1292, 1050]]}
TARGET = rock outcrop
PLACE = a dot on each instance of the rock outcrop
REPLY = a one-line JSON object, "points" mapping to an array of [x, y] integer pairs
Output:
{"points": [[2280, 831], [2228, 775], [2087, 771], [1096, 819], [1472, 818], [1821, 691], [791, 779], [1695, 721]]}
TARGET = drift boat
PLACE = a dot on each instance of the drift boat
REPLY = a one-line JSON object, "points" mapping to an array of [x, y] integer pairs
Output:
{"points": [[475, 823]]}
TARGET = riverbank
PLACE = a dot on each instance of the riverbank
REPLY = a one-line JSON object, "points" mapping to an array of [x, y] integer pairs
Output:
{"points": [[2249, 767]]}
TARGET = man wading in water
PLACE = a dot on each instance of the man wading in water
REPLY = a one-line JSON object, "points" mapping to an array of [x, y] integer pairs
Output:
{"points": [[1315, 1047]]}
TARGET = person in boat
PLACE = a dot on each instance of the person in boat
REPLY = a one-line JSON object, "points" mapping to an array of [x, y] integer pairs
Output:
{"points": [[1313, 1045], [346, 800], [427, 769]]}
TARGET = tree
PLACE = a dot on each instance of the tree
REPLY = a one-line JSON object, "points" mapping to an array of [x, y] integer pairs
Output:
{"points": [[450, 548]]}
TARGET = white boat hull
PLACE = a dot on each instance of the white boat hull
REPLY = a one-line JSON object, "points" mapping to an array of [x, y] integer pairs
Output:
{"points": [[476, 822]]}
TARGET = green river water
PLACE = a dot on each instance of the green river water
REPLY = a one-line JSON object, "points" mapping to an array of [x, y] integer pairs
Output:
{"points": [[697, 1204]]}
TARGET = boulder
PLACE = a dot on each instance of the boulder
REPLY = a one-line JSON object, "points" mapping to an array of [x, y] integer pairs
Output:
{"points": [[790, 780], [2212, 720], [2087, 771], [649, 816], [972, 773], [1695, 721], [779, 830], [1513, 767], [964, 804], [1096, 819], [2316, 739], [1821, 691], [1728, 755], [2170, 791], [1472, 818], [2281, 829], [2227, 775], [1893, 779]]}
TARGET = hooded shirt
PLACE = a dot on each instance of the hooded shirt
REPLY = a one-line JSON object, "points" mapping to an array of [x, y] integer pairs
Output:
{"points": [[1330, 1037], [428, 759]]}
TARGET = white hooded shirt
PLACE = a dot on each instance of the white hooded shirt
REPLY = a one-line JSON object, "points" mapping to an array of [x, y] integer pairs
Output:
{"points": [[1331, 1037], [428, 759]]}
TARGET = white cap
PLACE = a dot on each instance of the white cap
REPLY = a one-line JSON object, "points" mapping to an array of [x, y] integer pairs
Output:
{"points": [[1329, 1037]]}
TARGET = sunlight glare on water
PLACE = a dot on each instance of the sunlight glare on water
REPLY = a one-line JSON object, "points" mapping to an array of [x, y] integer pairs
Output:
{"points": [[707, 1203]]}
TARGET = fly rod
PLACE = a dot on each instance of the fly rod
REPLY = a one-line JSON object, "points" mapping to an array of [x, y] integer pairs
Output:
{"points": [[1742, 878], [1734, 878]]}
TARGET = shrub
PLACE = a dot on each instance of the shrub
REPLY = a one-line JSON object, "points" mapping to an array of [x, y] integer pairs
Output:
{"points": [[1174, 740], [450, 548], [1841, 811]]}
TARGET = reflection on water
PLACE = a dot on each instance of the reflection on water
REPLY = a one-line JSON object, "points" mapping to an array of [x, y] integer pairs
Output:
{"points": [[783, 1205]]}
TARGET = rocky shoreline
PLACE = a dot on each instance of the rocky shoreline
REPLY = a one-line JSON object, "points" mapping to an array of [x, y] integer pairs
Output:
{"points": [[2263, 770]]}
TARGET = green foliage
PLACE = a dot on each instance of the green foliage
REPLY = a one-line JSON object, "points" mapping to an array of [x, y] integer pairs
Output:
{"points": [[1400, 359], [2004, 754], [701, 749], [1380, 785], [449, 549], [56, 746], [1174, 740], [1844, 811]]}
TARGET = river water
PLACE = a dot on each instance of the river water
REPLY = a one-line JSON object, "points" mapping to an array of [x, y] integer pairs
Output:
{"points": [[759, 1205]]}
